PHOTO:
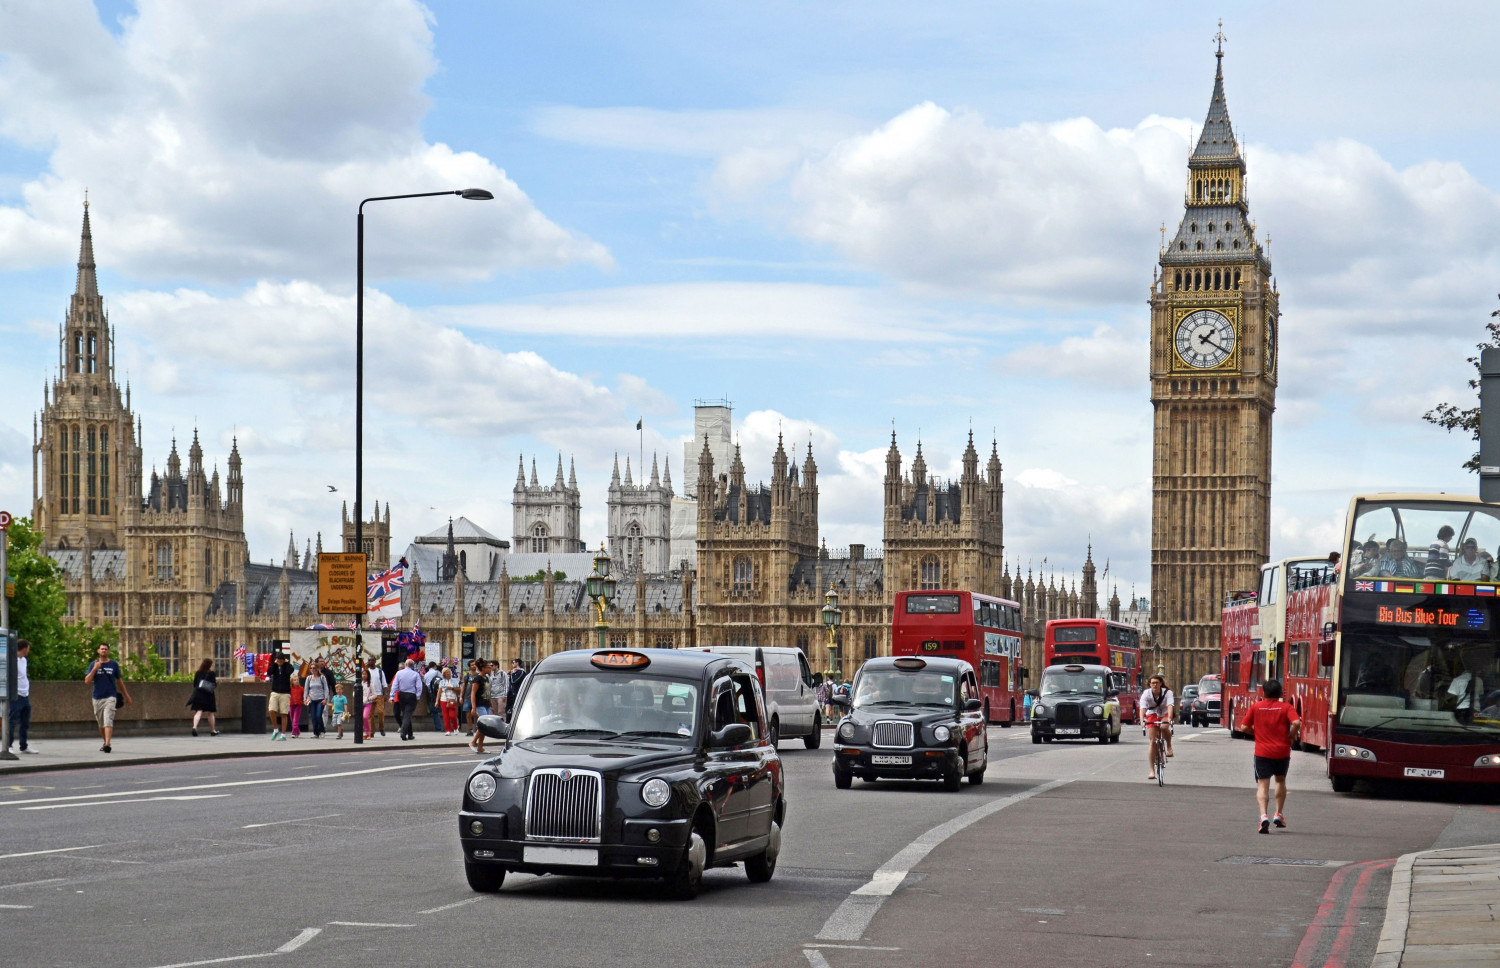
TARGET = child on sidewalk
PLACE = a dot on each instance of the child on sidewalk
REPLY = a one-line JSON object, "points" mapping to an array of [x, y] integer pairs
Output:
{"points": [[296, 713], [340, 706]]}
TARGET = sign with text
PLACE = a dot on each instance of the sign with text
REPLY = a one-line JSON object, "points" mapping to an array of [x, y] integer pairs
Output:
{"points": [[342, 583], [1423, 616]]}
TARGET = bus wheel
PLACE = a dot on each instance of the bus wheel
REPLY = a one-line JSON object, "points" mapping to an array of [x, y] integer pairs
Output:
{"points": [[1342, 784]]}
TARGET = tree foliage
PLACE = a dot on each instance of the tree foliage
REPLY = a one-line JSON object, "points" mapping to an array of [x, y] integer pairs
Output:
{"points": [[1452, 417], [58, 651]]}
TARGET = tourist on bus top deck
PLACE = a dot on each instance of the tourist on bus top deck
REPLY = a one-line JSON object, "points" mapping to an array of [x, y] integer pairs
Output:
{"points": [[1471, 564], [1439, 554]]}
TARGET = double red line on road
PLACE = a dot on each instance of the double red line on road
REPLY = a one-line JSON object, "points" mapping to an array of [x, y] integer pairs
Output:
{"points": [[1347, 921]]}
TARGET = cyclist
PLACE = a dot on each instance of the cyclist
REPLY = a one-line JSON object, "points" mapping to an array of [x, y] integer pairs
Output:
{"points": [[1156, 712]]}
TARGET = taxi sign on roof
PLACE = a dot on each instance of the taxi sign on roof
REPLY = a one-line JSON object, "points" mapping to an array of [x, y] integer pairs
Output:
{"points": [[910, 662], [620, 660]]}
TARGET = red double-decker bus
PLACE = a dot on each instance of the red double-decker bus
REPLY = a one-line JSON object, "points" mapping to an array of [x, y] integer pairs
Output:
{"points": [[981, 630], [1097, 641], [1276, 633]]}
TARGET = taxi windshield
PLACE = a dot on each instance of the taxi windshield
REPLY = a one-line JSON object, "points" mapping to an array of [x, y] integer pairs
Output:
{"points": [[1063, 683], [608, 706], [894, 688]]}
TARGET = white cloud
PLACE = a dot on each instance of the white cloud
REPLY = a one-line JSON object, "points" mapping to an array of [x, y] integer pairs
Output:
{"points": [[230, 142], [1106, 357]]}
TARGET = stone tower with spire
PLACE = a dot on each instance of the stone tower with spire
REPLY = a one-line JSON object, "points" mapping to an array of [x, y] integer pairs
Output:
{"points": [[640, 518], [546, 518], [944, 534], [376, 535], [1214, 332], [147, 563]]}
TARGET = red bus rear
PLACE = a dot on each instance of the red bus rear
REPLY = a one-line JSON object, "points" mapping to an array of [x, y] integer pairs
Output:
{"points": [[1243, 663], [1097, 641], [1309, 611], [981, 630]]}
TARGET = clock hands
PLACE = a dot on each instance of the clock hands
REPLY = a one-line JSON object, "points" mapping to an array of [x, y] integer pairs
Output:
{"points": [[1203, 338]]}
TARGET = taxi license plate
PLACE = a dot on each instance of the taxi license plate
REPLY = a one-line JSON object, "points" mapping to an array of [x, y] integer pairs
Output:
{"points": [[1068, 731], [573, 856], [891, 760], [1425, 774]]}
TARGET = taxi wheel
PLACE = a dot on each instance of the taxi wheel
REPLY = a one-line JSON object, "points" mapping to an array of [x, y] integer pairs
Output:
{"points": [[814, 739], [953, 781], [843, 779], [1116, 737], [1036, 738], [775, 734], [760, 867], [977, 777], [485, 878], [688, 881]]}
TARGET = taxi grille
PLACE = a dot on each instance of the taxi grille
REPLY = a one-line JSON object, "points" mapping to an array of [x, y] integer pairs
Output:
{"points": [[894, 735], [564, 805], [1068, 714]]}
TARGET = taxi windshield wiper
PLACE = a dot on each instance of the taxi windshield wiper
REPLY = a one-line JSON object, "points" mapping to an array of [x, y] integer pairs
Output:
{"points": [[889, 702], [575, 731], [655, 732]]}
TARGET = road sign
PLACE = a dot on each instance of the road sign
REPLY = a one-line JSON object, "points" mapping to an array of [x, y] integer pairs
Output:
{"points": [[5, 520], [342, 583]]}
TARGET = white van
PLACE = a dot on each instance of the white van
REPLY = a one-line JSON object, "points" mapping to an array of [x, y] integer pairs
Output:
{"points": [[787, 682]]}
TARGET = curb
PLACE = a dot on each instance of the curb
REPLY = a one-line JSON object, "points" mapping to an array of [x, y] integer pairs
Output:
{"points": [[227, 755], [1392, 944]]}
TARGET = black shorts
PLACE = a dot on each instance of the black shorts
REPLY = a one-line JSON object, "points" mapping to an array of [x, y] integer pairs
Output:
{"points": [[1265, 767]]}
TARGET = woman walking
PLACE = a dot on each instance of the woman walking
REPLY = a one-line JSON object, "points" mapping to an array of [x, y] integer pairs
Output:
{"points": [[202, 700], [447, 697], [370, 696], [314, 695]]}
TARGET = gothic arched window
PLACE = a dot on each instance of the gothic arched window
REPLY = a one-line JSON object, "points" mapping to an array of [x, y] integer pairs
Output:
{"points": [[633, 544], [208, 567], [93, 353], [744, 574], [77, 352], [932, 572], [164, 561], [103, 470], [539, 537]]}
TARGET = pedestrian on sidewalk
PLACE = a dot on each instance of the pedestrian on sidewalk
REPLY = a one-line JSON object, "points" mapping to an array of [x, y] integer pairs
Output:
{"points": [[499, 685], [20, 710], [481, 699], [466, 694], [447, 697], [203, 700], [109, 692], [280, 702], [329, 682], [1026, 701], [314, 697], [429, 692], [298, 694], [367, 686], [375, 709], [340, 706], [406, 686], [820, 696], [1275, 725], [517, 676]]}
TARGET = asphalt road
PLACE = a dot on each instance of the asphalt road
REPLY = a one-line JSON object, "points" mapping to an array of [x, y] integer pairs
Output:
{"points": [[1065, 856]]}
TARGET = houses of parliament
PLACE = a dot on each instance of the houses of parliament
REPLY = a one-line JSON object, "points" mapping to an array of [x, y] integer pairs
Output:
{"points": [[166, 561]]}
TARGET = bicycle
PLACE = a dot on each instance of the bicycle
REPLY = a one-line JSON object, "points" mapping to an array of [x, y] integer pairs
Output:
{"points": [[1160, 747]]}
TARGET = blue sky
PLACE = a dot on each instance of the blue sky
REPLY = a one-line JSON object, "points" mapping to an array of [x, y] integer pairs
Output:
{"points": [[838, 215]]}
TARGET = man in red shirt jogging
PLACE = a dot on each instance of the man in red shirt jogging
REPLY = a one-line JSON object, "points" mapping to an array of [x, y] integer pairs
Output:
{"points": [[1275, 725]]}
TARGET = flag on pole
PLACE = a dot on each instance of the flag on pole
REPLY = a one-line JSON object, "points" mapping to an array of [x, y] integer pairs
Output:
{"points": [[640, 423], [384, 593]]}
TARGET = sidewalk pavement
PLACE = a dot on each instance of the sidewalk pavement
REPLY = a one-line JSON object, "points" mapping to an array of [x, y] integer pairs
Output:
{"points": [[133, 750], [1444, 909]]}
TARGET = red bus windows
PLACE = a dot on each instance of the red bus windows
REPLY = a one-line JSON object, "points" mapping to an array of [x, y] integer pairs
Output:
{"points": [[989, 673], [1257, 670], [1268, 584], [1324, 671], [1232, 669], [1077, 633], [1296, 660], [932, 604]]}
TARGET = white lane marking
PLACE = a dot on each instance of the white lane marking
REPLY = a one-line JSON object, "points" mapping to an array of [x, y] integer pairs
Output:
{"points": [[94, 802], [850, 947], [230, 783], [307, 935], [55, 850], [276, 823], [15, 907], [848, 923], [50, 880], [370, 924], [815, 958], [449, 907]]}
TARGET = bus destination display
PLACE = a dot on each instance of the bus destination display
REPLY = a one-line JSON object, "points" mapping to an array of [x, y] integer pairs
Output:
{"points": [[1468, 619]]}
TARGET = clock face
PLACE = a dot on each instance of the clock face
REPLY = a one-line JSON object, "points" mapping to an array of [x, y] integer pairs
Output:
{"points": [[1205, 339], [1270, 344]]}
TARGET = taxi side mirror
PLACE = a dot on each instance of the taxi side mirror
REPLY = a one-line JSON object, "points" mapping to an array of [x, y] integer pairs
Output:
{"points": [[973, 705], [840, 701], [494, 727], [735, 734]]}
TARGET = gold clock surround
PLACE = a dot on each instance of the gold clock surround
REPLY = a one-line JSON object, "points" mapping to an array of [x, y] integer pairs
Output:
{"points": [[1230, 362]]}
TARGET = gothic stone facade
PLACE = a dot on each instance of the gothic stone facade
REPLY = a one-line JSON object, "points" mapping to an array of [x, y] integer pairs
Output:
{"points": [[640, 520], [1214, 315]]}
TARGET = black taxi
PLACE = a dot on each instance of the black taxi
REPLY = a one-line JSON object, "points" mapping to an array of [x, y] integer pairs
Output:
{"points": [[912, 718], [1076, 702], [647, 763]]}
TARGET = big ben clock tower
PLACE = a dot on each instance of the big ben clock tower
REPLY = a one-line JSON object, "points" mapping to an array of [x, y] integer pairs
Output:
{"points": [[1213, 388]]}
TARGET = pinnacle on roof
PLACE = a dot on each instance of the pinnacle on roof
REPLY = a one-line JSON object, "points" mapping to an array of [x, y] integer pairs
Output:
{"points": [[627, 470], [572, 475], [559, 482], [666, 472], [533, 472], [521, 470], [88, 280], [655, 477], [1217, 143], [614, 476]]}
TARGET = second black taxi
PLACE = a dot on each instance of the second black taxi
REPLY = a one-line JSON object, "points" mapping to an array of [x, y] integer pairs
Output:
{"points": [[912, 718], [627, 763]]}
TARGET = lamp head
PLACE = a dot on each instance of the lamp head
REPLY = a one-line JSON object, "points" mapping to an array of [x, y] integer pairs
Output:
{"points": [[474, 194], [609, 588]]}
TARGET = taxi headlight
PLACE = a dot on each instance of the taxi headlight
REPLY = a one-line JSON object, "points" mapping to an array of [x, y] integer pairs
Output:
{"points": [[846, 732], [1038, 710], [481, 786], [1097, 709], [941, 734], [656, 792]]}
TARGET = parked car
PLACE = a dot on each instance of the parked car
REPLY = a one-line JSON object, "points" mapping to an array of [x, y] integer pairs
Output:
{"points": [[627, 763], [787, 683], [1185, 704]]}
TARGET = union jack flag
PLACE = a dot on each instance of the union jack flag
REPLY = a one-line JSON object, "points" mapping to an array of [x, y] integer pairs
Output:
{"points": [[1364, 586], [388, 624], [239, 653], [388, 582]]}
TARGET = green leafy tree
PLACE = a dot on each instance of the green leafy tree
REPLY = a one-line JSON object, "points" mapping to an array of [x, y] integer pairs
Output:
{"points": [[1452, 417], [58, 651]]}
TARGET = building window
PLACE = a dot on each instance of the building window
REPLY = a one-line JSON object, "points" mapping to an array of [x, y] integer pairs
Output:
{"points": [[744, 573], [166, 648], [741, 638], [93, 471], [77, 352], [632, 544], [539, 537], [222, 652], [619, 640], [93, 353], [572, 641], [164, 561], [932, 573], [528, 649], [77, 465], [664, 641], [208, 567], [872, 646], [802, 642], [103, 470], [62, 472]]}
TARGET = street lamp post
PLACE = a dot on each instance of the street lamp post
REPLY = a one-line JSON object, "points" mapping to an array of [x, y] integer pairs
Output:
{"points": [[476, 194], [601, 589], [832, 619]]}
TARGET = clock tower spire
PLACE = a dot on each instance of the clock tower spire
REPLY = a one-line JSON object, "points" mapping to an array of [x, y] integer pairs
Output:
{"points": [[1214, 317]]}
